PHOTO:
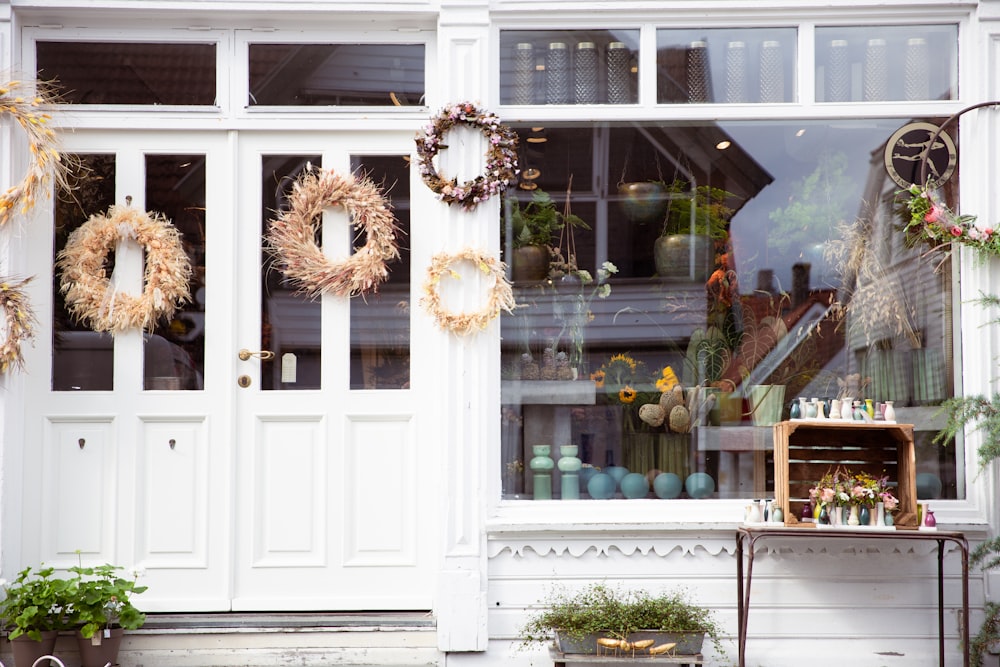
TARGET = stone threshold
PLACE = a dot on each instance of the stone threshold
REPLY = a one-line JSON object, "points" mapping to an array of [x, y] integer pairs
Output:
{"points": [[307, 621]]}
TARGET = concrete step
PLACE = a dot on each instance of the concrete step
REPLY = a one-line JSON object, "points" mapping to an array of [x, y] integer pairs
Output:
{"points": [[390, 639]]}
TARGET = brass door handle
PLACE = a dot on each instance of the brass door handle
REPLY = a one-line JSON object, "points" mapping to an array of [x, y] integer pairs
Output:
{"points": [[263, 355]]}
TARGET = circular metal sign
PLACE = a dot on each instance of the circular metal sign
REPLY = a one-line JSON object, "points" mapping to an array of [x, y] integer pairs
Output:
{"points": [[910, 145]]}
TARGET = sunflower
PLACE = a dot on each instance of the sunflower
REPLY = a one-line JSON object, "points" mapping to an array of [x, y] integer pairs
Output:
{"points": [[667, 380], [627, 394], [598, 377]]}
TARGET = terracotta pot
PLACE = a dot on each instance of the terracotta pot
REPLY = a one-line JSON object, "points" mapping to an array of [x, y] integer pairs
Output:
{"points": [[100, 649], [530, 262], [27, 651]]}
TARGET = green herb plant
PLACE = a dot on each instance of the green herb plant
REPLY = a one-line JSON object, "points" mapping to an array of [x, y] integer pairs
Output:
{"points": [[601, 609], [101, 598], [36, 602]]}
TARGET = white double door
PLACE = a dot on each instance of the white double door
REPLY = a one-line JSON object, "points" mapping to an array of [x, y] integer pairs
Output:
{"points": [[234, 496]]}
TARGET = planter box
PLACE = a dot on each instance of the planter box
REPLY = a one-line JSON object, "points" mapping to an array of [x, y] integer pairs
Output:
{"points": [[805, 450], [687, 643]]}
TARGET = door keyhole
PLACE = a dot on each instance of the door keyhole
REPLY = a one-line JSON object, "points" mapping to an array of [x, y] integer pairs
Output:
{"points": [[243, 381]]}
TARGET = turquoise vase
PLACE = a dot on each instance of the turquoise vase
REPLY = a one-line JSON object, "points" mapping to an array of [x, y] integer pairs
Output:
{"points": [[541, 465]]}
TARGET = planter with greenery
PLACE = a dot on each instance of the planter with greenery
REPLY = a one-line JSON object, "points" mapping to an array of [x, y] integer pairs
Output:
{"points": [[102, 609], [696, 219], [602, 619], [534, 227], [34, 611]]}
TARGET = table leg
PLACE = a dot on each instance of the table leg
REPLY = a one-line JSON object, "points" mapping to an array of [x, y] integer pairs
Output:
{"points": [[940, 590], [963, 547], [741, 628]]}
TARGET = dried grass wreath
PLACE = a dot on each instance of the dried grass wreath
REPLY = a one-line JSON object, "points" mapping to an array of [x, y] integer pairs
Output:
{"points": [[91, 298], [501, 157], [292, 237], [46, 165], [20, 320], [501, 295]]}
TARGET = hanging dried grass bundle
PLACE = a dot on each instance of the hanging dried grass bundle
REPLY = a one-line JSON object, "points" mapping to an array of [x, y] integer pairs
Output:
{"points": [[19, 322], [501, 296], [292, 236], [91, 298], [24, 103]]}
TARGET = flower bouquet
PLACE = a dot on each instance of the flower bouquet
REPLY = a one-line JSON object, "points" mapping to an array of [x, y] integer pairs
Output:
{"points": [[932, 221]]}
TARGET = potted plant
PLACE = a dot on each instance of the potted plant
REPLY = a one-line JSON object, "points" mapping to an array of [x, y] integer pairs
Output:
{"points": [[602, 619], [34, 611], [534, 226], [696, 219], [102, 610]]}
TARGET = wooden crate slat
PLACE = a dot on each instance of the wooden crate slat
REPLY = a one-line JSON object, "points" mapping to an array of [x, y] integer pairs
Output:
{"points": [[804, 452]]}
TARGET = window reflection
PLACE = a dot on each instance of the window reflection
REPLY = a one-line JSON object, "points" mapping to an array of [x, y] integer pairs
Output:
{"points": [[129, 72], [336, 74], [380, 321], [754, 261], [82, 360], [175, 350], [290, 322]]}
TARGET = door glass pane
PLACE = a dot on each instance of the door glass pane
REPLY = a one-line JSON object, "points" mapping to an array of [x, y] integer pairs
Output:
{"points": [[756, 262], [81, 359], [380, 321], [129, 72], [175, 350], [290, 324], [336, 75]]}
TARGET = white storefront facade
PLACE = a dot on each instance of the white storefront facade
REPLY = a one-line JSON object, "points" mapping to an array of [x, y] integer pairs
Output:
{"points": [[381, 463]]}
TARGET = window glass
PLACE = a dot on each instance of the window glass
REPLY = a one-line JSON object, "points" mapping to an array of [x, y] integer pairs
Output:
{"points": [[336, 75], [82, 360], [732, 66], [129, 72], [563, 67], [175, 350], [290, 322], [380, 322], [914, 62], [757, 261]]}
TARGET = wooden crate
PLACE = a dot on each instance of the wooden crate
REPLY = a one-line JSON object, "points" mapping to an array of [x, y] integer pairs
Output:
{"points": [[804, 451]]}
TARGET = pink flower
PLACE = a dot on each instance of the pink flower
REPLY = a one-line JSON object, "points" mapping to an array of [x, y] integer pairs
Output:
{"points": [[956, 231], [935, 214], [826, 495], [889, 501]]}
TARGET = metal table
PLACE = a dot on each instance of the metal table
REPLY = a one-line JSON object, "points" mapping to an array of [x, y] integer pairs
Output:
{"points": [[750, 535]]}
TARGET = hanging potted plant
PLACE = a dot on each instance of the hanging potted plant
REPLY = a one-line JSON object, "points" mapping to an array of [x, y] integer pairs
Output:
{"points": [[696, 219], [534, 226], [102, 610], [34, 611]]}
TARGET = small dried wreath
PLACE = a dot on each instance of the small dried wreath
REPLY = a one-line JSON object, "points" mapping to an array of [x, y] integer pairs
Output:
{"points": [[501, 296], [20, 319], [292, 236], [501, 157], [91, 298], [46, 166]]}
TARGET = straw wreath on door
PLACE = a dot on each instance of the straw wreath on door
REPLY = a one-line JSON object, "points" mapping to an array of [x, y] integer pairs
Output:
{"points": [[24, 103], [91, 298], [292, 235]]}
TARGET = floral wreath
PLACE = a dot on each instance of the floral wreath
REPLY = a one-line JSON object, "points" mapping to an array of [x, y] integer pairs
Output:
{"points": [[46, 164], [91, 298], [501, 158], [292, 236], [932, 221], [20, 319], [501, 295]]}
